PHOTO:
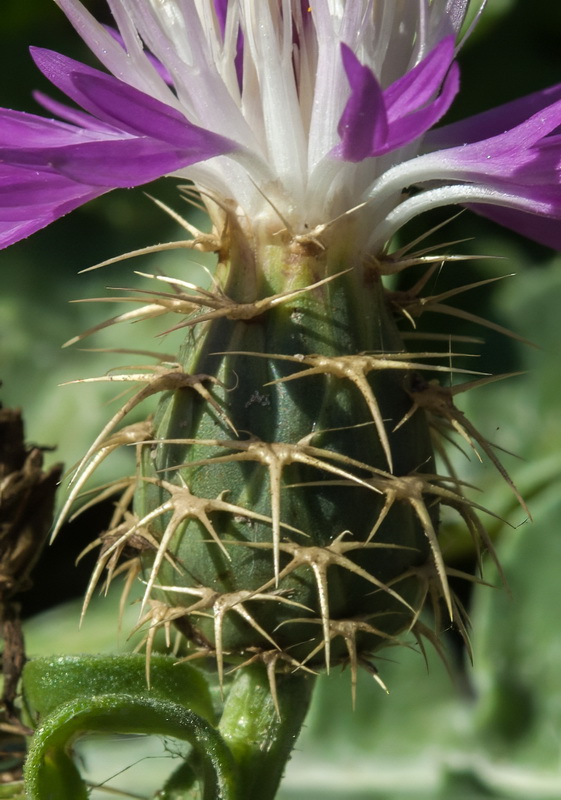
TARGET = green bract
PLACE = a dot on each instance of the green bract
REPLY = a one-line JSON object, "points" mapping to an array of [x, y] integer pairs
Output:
{"points": [[276, 488], [286, 504]]}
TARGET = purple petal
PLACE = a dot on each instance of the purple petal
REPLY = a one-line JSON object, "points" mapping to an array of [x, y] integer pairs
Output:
{"points": [[61, 70], [127, 108], [494, 122], [112, 163], [22, 189], [48, 168], [523, 155], [523, 162], [221, 8], [28, 130], [546, 230], [376, 122], [142, 115], [520, 138], [238, 60], [31, 200], [79, 118], [419, 122], [363, 126], [420, 84]]}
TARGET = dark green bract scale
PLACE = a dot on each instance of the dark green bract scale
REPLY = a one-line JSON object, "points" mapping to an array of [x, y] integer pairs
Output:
{"points": [[306, 546]]}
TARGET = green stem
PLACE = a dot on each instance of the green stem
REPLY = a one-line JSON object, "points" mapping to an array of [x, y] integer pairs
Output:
{"points": [[261, 740]]}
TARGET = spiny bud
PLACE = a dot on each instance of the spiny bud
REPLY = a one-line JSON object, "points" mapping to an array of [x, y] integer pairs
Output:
{"points": [[286, 503]]}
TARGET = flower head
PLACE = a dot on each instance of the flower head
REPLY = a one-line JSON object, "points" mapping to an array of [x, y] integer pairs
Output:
{"points": [[286, 492], [298, 113]]}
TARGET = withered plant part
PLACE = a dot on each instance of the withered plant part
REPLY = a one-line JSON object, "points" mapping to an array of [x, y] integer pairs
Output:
{"points": [[27, 495]]}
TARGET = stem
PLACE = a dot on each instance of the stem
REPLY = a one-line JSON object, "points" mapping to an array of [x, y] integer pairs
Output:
{"points": [[261, 740]]}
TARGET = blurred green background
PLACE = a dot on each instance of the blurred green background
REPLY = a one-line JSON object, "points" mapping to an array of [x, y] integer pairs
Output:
{"points": [[494, 730]]}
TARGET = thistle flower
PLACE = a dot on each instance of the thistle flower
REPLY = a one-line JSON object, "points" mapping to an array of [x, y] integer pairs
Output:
{"points": [[286, 495], [304, 128]]}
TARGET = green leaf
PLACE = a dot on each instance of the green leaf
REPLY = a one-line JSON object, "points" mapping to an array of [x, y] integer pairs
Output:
{"points": [[50, 682], [51, 774], [517, 657], [84, 685]]}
